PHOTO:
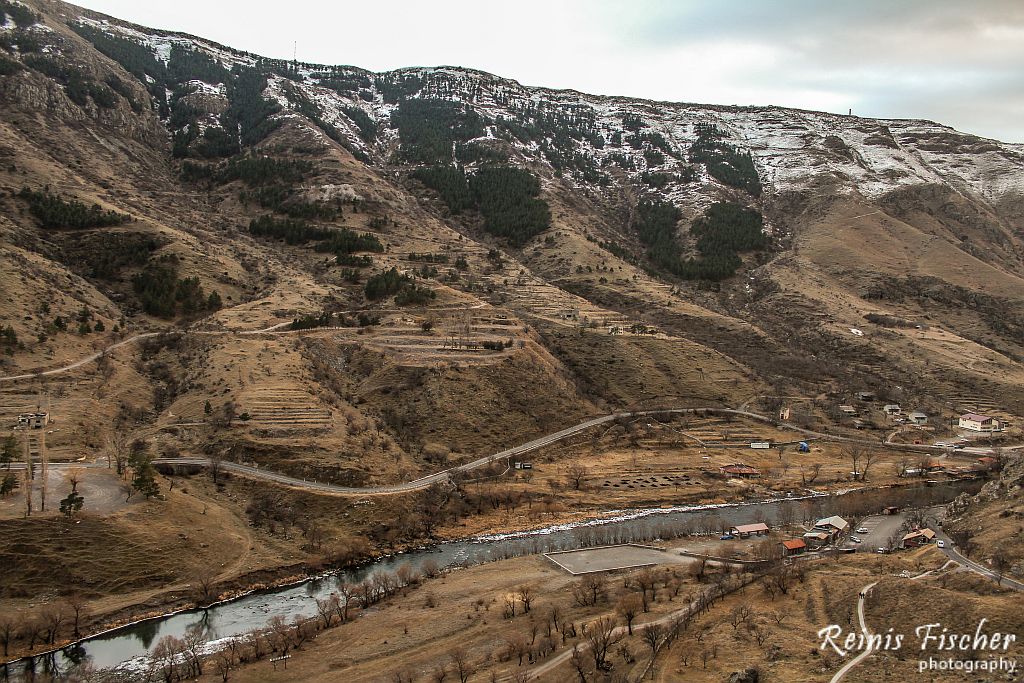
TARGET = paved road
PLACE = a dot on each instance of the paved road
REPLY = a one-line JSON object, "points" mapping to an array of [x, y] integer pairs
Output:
{"points": [[522, 449], [952, 553], [416, 484], [866, 652], [445, 475]]}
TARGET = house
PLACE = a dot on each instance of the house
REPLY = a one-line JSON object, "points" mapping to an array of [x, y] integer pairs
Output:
{"points": [[833, 526], [891, 409], [816, 539], [865, 396], [917, 418], [795, 546], [918, 538], [979, 423], [784, 414], [987, 463], [33, 420], [848, 410], [740, 470], [745, 530], [890, 510], [569, 314]]}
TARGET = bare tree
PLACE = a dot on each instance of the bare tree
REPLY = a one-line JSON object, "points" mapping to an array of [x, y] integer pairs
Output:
{"points": [[53, 617], [1000, 563], [216, 466], [167, 653], [653, 634], [588, 591], [510, 602], [118, 449], [460, 661], [579, 663], [204, 581], [870, 458], [629, 607], [279, 633], [430, 568], [601, 635], [77, 607], [255, 640], [576, 474], [223, 663], [407, 576], [194, 641], [963, 538], [8, 630], [346, 592], [327, 608], [75, 476], [901, 467], [439, 673], [809, 474], [647, 582], [854, 454], [525, 594]]}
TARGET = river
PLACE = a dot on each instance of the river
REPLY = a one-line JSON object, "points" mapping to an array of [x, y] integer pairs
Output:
{"points": [[129, 646]]}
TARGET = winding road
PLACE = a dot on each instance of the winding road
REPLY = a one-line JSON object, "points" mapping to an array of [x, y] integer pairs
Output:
{"points": [[79, 363], [445, 475], [954, 555], [866, 652]]}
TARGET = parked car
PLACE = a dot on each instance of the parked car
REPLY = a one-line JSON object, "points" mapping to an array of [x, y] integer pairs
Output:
{"points": [[854, 539], [881, 550], [959, 447], [941, 544], [863, 530], [726, 537]]}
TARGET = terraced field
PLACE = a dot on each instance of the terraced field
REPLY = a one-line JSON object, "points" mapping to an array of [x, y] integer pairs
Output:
{"points": [[285, 409]]}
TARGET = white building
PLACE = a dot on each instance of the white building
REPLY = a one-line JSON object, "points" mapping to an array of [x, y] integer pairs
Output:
{"points": [[979, 423], [833, 526]]}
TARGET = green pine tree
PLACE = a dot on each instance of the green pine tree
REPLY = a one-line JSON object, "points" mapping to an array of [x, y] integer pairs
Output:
{"points": [[72, 504]]}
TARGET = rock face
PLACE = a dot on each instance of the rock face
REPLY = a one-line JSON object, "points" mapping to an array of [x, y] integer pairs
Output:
{"points": [[601, 142], [751, 675]]}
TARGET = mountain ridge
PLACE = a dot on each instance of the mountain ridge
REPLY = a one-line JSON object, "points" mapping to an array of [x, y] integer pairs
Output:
{"points": [[860, 216]]}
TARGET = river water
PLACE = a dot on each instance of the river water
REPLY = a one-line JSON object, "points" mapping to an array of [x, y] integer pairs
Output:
{"points": [[129, 646]]}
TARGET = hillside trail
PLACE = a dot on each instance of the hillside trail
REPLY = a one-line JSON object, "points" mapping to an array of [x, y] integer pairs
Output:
{"points": [[273, 329]]}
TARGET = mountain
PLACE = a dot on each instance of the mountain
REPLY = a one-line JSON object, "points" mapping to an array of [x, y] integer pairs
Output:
{"points": [[556, 254]]}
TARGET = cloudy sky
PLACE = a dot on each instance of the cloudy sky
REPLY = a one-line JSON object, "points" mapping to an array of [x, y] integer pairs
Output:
{"points": [[958, 62]]}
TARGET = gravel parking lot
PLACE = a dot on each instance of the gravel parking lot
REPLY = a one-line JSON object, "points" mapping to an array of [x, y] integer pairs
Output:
{"points": [[880, 529], [608, 558]]}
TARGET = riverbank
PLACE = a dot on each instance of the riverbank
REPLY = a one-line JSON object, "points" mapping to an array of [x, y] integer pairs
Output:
{"points": [[617, 526]]}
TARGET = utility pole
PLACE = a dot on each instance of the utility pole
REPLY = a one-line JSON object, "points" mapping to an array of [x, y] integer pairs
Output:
{"points": [[28, 475], [44, 461]]}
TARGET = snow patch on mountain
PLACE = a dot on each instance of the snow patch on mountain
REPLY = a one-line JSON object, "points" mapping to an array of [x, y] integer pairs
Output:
{"points": [[792, 149]]}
